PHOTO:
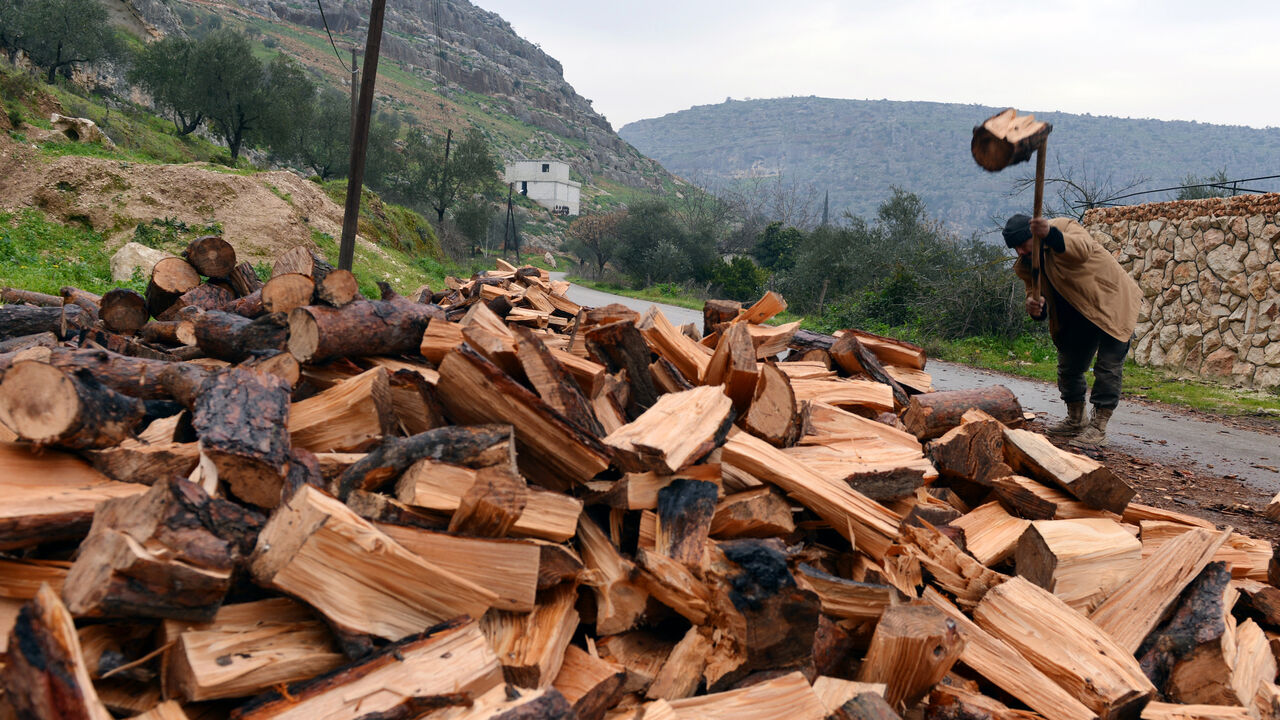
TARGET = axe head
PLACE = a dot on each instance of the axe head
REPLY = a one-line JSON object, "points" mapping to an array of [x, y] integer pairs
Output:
{"points": [[1007, 138]]}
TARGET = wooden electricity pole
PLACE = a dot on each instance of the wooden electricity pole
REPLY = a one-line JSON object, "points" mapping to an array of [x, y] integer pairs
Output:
{"points": [[360, 136], [355, 89]]}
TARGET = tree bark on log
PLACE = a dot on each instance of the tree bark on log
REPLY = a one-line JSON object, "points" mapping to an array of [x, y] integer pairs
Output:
{"points": [[86, 301], [133, 376], [20, 320], [244, 280], [476, 447], [206, 296], [231, 337], [211, 256], [620, 346], [168, 553], [48, 405], [45, 676], [362, 327], [14, 296], [123, 311], [169, 332], [249, 305], [242, 418], [931, 415], [23, 342]]}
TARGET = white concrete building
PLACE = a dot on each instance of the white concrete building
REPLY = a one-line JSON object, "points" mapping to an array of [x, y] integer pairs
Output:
{"points": [[547, 183]]}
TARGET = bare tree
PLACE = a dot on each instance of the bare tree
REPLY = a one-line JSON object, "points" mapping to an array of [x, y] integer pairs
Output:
{"points": [[1076, 189]]}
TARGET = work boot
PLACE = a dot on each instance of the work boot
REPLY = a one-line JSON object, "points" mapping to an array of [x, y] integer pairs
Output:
{"points": [[1072, 424], [1095, 435]]}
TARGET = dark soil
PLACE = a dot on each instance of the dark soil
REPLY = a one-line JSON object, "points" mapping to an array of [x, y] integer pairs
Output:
{"points": [[1180, 487]]}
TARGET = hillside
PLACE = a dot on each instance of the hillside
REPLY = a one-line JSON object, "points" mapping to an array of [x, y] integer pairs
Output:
{"points": [[444, 64], [858, 149]]}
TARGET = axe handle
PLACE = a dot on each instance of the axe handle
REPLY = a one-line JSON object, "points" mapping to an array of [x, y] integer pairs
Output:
{"points": [[1036, 250]]}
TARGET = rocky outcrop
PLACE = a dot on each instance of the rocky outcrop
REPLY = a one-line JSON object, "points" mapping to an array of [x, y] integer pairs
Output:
{"points": [[462, 49], [1210, 276]]}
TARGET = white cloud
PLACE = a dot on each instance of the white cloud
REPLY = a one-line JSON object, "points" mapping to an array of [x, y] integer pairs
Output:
{"points": [[1173, 60]]}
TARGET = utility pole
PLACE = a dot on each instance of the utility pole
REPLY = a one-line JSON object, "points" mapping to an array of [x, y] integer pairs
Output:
{"points": [[360, 136], [355, 89]]}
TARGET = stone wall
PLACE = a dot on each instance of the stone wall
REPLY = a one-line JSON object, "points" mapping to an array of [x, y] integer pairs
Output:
{"points": [[1210, 277]]}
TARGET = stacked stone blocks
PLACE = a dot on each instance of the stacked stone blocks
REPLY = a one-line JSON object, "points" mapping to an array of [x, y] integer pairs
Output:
{"points": [[1210, 277]]}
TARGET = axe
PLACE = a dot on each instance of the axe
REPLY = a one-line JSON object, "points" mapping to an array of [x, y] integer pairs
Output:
{"points": [[1007, 139]]}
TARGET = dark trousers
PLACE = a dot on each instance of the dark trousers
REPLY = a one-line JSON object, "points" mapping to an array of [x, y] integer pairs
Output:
{"points": [[1078, 342]]}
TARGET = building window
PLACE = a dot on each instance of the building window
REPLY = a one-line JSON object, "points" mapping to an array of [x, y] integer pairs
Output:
{"points": [[546, 167], [524, 188]]}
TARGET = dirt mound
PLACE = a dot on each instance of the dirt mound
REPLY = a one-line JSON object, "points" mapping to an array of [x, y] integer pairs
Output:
{"points": [[262, 214]]}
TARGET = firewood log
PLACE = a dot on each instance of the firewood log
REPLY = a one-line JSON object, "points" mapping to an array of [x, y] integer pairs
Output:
{"points": [[761, 512], [302, 260], [1133, 610], [123, 311], [770, 304], [244, 280], [849, 354], [510, 568], [681, 672], [317, 549], [363, 327], [45, 675], [1034, 500], [283, 293], [168, 332], [351, 416], [531, 645], [620, 346], [211, 256], [991, 534], [1079, 561], [137, 462], [843, 598], [620, 600], [690, 358], [207, 296], [170, 278], [734, 366], [912, 648], [789, 696], [1007, 668], [450, 662], [640, 652], [243, 419], [248, 648], [23, 342], [590, 684], [14, 296], [677, 431], [19, 320], [166, 554], [718, 312], [1032, 454], [231, 337], [553, 384], [835, 692], [475, 447], [933, 414], [249, 305], [973, 450], [1082, 659], [773, 415], [685, 509], [492, 505], [47, 405], [551, 451]]}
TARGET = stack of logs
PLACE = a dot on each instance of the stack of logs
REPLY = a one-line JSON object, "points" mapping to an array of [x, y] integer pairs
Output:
{"points": [[488, 502]]}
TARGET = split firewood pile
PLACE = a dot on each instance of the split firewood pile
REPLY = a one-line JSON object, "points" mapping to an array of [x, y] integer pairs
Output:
{"points": [[225, 500]]}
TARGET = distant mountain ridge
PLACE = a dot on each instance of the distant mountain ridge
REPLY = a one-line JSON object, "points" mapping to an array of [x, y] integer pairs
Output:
{"points": [[858, 149]]}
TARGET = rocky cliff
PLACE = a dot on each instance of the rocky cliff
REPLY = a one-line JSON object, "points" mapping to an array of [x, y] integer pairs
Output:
{"points": [[460, 51]]}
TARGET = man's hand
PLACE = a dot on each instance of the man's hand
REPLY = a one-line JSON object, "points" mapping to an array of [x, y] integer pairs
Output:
{"points": [[1039, 227], [1035, 307]]}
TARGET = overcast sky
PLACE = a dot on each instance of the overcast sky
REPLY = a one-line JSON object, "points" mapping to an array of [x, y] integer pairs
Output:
{"points": [[1213, 62]]}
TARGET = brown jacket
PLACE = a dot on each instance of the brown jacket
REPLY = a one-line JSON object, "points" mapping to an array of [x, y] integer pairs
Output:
{"points": [[1088, 278]]}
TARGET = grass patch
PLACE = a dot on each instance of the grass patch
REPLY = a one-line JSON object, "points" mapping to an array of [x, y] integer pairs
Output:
{"points": [[372, 265], [39, 254]]}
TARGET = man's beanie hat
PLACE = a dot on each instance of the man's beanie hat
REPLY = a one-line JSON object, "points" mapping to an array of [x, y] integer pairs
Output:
{"points": [[1017, 230]]}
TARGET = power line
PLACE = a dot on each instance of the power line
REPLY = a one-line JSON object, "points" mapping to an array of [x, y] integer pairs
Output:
{"points": [[1232, 185], [336, 54]]}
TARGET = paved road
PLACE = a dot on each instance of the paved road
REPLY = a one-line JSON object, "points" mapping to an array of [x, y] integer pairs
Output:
{"points": [[1138, 429]]}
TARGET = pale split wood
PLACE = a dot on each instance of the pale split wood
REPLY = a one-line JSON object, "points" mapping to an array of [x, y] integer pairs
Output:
{"points": [[348, 417], [1032, 454], [1079, 561], [677, 431], [991, 533], [451, 659], [870, 525], [682, 670], [1034, 500], [620, 600], [844, 393], [1137, 606], [531, 645], [1177, 711], [507, 568], [952, 569], [789, 696], [590, 684], [761, 310], [825, 422], [167, 710], [317, 549], [844, 598], [688, 356], [1006, 667], [1248, 557], [642, 654], [248, 648], [912, 648], [1065, 646], [833, 692]]}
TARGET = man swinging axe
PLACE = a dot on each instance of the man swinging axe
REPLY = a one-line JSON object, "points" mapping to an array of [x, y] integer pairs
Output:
{"points": [[1090, 301]]}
